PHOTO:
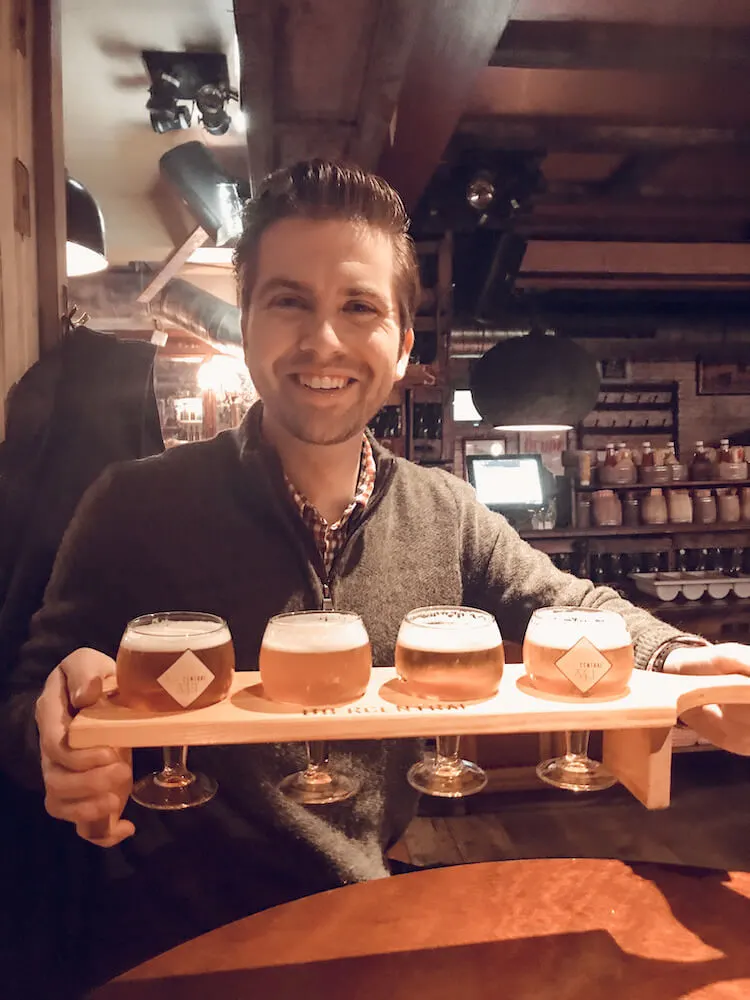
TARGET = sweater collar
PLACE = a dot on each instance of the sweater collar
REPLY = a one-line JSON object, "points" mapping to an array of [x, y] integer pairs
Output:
{"points": [[254, 448]]}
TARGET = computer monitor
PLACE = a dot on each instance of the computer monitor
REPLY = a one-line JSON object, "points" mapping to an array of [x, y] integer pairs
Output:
{"points": [[507, 482]]}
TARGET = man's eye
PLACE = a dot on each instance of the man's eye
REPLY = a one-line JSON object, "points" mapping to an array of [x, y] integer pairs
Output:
{"points": [[359, 307], [288, 302]]}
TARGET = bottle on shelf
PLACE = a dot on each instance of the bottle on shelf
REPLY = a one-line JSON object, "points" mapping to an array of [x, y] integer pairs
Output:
{"points": [[701, 468], [654, 507], [725, 455], [670, 458], [647, 456], [610, 456], [704, 507]]}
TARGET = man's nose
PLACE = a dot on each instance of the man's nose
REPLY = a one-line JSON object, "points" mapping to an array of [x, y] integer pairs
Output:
{"points": [[319, 334]]}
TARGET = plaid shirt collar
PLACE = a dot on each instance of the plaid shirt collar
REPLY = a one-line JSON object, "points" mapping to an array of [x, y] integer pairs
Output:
{"points": [[330, 538]]}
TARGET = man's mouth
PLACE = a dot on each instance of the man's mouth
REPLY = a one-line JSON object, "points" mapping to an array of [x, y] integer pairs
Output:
{"points": [[325, 383]]}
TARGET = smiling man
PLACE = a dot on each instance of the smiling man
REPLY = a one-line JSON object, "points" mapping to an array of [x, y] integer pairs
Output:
{"points": [[297, 509]]}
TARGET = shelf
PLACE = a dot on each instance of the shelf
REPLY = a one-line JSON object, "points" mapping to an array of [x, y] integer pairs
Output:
{"points": [[687, 484], [614, 432], [634, 407], [656, 529]]}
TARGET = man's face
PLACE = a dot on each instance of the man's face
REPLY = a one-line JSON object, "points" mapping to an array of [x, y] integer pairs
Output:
{"points": [[322, 335]]}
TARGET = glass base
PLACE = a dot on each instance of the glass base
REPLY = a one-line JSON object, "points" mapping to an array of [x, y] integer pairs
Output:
{"points": [[575, 773], [154, 792], [319, 788], [447, 782]]}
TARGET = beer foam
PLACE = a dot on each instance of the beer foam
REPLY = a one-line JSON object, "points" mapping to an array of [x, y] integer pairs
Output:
{"points": [[171, 636], [563, 628], [315, 632], [449, 632]]}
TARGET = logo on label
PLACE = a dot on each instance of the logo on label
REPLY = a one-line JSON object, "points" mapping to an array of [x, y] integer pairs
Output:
{"points": [[583, 665], [186, 679]]}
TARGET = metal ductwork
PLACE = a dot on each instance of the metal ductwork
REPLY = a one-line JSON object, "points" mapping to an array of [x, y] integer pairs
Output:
{"points": [[110, 299]]}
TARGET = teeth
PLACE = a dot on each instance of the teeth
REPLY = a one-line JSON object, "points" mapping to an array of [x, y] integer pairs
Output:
{"points": [[323, 381]]}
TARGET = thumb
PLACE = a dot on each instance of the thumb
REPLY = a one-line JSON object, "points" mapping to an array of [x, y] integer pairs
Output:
{"points": [[85, 671]]}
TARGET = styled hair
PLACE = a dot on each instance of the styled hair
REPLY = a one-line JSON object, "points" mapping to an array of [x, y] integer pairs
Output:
{"points": [[324, 190]]}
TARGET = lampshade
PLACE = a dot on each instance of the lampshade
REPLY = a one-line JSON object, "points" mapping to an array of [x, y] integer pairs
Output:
{"points": [[84, 247], [537, 381], [210, 194]]}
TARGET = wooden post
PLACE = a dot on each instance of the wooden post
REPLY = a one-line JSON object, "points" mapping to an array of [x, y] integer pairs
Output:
{"points": [[19, 342]]}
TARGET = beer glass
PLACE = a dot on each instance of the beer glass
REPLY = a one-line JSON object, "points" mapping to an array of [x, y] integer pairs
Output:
{"points": [[573, 654], [168, 663], [449, 654], [316, 659]]}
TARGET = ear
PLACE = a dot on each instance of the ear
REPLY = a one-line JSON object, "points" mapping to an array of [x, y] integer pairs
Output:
{"points": [[406, 348]]}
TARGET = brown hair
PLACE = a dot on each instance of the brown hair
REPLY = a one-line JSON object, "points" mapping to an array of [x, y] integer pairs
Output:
{"points": [[320, 189]]}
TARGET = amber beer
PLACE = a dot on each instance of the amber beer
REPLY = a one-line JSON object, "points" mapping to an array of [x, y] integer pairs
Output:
{"points": [[576, 653], [173, 663], [317, 659], [450, 654]]}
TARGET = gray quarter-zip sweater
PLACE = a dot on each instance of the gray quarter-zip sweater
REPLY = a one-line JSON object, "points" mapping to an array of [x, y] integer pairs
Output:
{"points": [[211, 527]]}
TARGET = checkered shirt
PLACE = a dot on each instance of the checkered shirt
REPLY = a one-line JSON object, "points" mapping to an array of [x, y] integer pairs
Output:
{"points": [[330, 538]]}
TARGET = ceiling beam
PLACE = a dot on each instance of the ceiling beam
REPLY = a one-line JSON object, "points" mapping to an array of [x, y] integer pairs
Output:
{"points": [[453, 44], [173, 264], [537, 132], [709, 13], [716, 99], [257, 35], [643, 47], [648, 260]]}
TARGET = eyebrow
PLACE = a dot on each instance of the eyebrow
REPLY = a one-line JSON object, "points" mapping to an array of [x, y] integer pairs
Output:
{"points": [[289, 284]]}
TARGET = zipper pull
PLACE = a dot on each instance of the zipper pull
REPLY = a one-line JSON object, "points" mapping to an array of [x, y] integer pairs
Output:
{"points": [[327, 602]]}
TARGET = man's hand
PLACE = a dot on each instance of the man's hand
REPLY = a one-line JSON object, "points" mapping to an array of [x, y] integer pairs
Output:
{"points": [[726, 726], [86, 787]]}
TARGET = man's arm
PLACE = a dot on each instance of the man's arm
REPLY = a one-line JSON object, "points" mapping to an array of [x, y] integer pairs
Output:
{"points": [[91, 594], [509, 577]]}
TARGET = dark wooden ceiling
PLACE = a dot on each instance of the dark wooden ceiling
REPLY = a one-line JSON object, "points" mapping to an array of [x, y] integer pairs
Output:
{"points": [[617, 120]]}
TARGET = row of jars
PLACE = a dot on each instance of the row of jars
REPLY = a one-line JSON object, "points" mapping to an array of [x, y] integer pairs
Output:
{"points": [[613, 566], [605, 509], [624, 466]]}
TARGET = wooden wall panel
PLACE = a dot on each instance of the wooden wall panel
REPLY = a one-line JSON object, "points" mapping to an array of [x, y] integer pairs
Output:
{"points": [[19, 339]]}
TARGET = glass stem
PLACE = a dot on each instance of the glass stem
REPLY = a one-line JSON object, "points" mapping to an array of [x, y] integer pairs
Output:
{"points": [[175, 770], [577, 744], [447, 761], [316, 771]]}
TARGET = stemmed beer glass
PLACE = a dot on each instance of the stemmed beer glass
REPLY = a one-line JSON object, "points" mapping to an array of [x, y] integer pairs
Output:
{"points": [[316, 659], [449, 654], [169, 662], [573, 654]]}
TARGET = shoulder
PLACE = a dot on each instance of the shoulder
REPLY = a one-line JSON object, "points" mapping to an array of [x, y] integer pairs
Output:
{"points": [[421, 480]]}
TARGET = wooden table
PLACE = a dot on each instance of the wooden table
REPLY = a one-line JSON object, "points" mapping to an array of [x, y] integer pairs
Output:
{"points": [[522, 930]]}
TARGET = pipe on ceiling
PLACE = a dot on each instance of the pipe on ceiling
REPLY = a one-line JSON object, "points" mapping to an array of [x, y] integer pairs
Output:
{"points": [[111, 300]]}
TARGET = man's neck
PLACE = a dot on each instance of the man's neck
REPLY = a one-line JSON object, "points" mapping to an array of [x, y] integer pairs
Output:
{"points": [[325, 474]]}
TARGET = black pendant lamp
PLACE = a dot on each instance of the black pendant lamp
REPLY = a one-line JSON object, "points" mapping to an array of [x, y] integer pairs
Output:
{"points": [[84, 247], [535, 382]]}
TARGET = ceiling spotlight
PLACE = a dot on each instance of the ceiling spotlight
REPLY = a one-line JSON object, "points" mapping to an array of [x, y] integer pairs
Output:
{"points": [[167, 115], [480, 192], [210, 100]]}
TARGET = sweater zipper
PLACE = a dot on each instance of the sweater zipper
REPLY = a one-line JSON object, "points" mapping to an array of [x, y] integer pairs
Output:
{"points": [[327, 600]]}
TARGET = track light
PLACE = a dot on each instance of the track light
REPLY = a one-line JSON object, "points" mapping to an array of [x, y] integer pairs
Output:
{"points": [[181, 81], [210, 101]]}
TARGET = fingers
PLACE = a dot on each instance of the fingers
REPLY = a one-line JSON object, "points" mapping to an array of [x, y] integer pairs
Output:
{"points": [[85, 671], [106, 833], [89, 787], [733, 658], [726, 726]]}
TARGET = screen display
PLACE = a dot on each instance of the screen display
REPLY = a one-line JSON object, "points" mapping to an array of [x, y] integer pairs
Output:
{"points": [[507, 481]]}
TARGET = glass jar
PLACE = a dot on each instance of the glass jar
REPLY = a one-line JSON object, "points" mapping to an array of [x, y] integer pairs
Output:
{"points": [[680, 507], [729, 506], [654, 507], [701, 468], [607, 509], [704, 507], [745, 503], [583, 511], [631, 511]]}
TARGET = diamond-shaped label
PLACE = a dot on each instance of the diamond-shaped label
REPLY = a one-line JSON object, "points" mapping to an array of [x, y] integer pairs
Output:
{"points": [[186, 679], [583, 665]]}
